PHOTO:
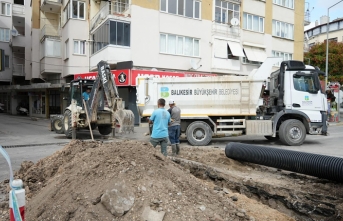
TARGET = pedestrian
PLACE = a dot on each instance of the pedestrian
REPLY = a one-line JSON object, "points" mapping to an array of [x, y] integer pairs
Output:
{"points": [[86, 94], [160, 119], [174, 128], [330, 98]]}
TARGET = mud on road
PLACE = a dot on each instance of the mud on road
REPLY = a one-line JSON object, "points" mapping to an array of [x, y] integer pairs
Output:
{"points": [[200, 184]]}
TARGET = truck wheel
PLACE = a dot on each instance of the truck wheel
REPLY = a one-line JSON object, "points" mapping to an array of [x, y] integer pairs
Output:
{"points": [[68, 131], [272, 138], [105, 129], [199, 133], [57, 124], [292, 133]]}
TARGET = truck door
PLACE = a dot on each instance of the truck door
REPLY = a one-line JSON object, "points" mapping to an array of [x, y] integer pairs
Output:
{"points": [[306, 94]]}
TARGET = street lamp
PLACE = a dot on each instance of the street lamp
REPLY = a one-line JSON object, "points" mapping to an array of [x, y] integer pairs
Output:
{"points": [[327, 45]]}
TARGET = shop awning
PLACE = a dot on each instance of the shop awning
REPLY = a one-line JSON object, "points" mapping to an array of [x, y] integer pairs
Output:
{"points": [[236, 49], [220, 48], [255, 54]]}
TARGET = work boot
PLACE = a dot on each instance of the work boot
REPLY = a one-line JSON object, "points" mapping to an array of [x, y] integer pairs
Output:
{"points": [[173, 146], [177, 149]]}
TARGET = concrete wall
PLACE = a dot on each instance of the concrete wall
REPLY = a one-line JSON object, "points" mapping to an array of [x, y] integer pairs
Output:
{"points": [[75, 63]]}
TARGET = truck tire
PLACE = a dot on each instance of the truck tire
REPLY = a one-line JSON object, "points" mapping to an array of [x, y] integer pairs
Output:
{"points": [[199, 133], [105, 129], [272, 138], [67, 127], [57, 124], [292, 132]]}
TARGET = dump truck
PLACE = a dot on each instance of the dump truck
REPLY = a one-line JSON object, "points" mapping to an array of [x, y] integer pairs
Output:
{"points": [[286, 104], [103, 109]]}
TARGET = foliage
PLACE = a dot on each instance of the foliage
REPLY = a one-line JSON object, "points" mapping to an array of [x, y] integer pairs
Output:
{"points": [[317, 55]]}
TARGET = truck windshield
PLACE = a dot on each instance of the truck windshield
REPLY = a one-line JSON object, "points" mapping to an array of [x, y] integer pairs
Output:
{"points": [[305, 81]]}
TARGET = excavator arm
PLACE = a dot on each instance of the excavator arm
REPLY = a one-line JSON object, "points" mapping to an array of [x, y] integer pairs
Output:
{"points": [[105, 88]]}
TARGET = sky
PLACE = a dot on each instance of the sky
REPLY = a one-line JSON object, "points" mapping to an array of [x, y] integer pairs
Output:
{"points": [[319, 8]]}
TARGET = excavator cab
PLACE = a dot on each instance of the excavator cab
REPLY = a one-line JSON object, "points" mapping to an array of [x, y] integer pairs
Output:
{"points": [[77, 88]]}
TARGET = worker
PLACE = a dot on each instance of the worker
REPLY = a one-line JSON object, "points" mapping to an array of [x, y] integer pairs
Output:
{"points": [[174, 127], [330, 99], [86, 94], [160, 119]]}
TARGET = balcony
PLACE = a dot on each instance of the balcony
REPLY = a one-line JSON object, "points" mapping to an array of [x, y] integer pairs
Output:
{"points": [[226, 30], [117, 8], [18, 70], [307, 20], [18, 10], [53, 6], [50, 31]]}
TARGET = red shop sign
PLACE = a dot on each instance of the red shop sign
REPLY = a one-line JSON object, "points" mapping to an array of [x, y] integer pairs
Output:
{"points": [[121, 77]]}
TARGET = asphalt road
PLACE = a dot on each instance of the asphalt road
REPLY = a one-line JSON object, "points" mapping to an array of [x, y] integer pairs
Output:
{"points": [[26, 139]]}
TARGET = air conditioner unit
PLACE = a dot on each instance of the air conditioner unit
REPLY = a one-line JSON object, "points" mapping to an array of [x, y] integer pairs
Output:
{"points": [[15, 32]]}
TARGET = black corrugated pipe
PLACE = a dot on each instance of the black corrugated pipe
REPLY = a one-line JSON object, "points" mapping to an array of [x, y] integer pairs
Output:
{"points": [[321, 166]]}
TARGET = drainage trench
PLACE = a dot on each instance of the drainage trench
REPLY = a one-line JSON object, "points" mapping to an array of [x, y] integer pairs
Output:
{"points": [[299, 204]]}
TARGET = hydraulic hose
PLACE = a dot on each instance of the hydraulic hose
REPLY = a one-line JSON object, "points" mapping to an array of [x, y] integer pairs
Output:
{"points": [[317, 165]]}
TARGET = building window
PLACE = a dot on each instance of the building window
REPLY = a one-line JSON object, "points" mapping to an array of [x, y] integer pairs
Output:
{"points": [[78, 9], [66, 51], [179, 45], [253, 22], [7, 61], [4, 35], [285, 56], [112, 32], [332, 39], [285, 3], [51, 47], [187, 8], [74, 10], [5, 8], [282, 29], [79, 47], [225, 11]]}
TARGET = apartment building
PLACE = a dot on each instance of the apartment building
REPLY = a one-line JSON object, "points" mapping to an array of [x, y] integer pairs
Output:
{"points": [[318, 33], [153, 37], [15, 40]]}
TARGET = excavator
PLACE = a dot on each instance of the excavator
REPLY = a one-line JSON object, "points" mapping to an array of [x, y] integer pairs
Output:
{"points": [[103, 110]]}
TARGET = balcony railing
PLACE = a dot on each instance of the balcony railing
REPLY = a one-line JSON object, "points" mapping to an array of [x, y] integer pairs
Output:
{"points": [[110, 8], [225, 30], [50, 30], [307, 20], [18, 69], [18, 10]]}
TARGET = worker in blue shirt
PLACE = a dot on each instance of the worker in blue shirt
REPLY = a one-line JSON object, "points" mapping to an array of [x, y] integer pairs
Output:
{"points": [[86, 94], [160, 119]]}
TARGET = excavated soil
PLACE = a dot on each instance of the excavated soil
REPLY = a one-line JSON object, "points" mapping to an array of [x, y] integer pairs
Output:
{"points": [[200, 184]]}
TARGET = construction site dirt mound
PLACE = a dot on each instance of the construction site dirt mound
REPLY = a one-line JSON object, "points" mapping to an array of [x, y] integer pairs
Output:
{"points": [[137, 181]]}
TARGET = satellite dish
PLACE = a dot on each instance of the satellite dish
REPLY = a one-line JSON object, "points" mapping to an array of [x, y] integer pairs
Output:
{"points": [[194, 64], [234, 21]]}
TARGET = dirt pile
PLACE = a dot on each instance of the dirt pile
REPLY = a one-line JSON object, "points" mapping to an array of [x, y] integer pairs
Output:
{"points": [[70, 185]]}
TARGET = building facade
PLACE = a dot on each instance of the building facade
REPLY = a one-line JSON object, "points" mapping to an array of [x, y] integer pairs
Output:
{"points": [[318, 33], [198, 36]]}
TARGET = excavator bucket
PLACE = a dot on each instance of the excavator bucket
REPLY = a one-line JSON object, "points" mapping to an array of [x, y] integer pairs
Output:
{"points": [[125, 119]]}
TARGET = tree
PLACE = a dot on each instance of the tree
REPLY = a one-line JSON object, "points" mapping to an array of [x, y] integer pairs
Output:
{"points": [[317, 56]]}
